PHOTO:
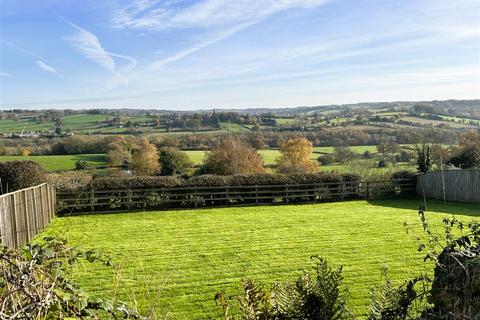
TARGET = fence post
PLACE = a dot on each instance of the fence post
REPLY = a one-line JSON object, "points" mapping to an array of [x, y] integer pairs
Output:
{"points": [[92, 200], [227, 196], [195, 197], [286, 194], [13, 220], [256, 194]]}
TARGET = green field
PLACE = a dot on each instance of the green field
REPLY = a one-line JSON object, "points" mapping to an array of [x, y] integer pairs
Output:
{"points": [[356, 149], [180, 259], [63, 162], [78, 123]]}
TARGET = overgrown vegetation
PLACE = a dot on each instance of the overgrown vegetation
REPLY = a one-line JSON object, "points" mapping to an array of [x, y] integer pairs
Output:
{"points": [[35, 283], [311, 296]]}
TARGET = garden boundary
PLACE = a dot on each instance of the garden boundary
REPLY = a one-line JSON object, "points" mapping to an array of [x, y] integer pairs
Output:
{"points": [[91, 201], [25, 213], [450, 185]]}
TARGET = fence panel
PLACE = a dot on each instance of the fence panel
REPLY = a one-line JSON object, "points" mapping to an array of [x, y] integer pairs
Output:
{"points": [[451, 185], [25, 213], [217, 196]]}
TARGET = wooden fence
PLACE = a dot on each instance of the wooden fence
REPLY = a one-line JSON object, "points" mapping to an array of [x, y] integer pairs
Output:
{"points": [[25, 213], [220, 196], [451, 185]]}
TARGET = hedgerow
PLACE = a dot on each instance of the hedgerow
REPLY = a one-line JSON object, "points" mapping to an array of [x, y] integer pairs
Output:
{"points": [[145, 182]]}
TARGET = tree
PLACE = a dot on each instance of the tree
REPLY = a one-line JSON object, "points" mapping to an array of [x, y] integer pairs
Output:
{"points": [[296, 157], [469, 139], [423, 158], [25, 152], [343, 154], [118, 154], [81, 165], [367, 155], [389, 147], [439, 154], [466, 159], [232, 156], [174, 161], [145, 159], [258, 141]]}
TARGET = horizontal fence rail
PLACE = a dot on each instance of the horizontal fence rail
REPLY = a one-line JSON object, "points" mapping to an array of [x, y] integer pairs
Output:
{"points": [[25, 213], [218, 196], [451, 185]]}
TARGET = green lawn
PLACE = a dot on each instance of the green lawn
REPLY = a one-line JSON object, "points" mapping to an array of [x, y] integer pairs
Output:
{"points": [[180, 259], [63, 162]]}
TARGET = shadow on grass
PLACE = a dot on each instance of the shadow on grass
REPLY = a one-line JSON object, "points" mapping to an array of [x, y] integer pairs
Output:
{"points": [[432, 205]]}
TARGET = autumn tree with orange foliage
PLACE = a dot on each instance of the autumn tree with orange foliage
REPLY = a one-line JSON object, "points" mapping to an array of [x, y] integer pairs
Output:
{"points": [[296, 157], [145, 159], [232, 156]]}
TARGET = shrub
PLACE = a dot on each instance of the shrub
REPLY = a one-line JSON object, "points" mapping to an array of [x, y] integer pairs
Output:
{"points": [[173, 161], [396, 303], [326, 159], [310, 297], [18, 174], [382, 163], [232, 156], [81, 165], [35, 284]]}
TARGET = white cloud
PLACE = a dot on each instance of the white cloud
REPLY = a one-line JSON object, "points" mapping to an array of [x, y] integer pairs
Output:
{"points": [[154, 15], [91, 48], [4, 74], [45, 67], [220, 18]]}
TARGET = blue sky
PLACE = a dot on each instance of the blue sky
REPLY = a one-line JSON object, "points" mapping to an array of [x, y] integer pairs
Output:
{"points": [[185, 54]]}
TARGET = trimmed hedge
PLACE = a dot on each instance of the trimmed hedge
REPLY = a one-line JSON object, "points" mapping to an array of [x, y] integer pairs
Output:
{"points": [[138, 182], [151, 182], [21, 174]]}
